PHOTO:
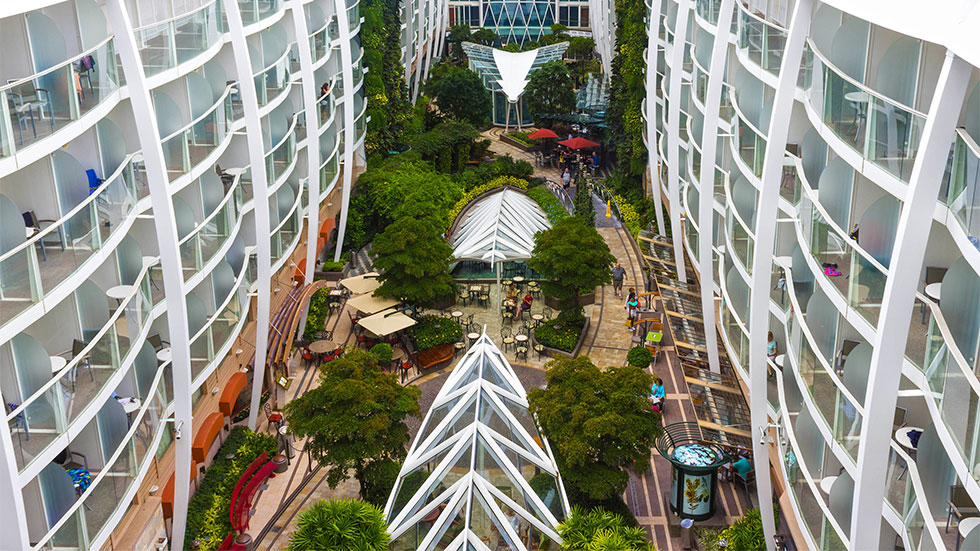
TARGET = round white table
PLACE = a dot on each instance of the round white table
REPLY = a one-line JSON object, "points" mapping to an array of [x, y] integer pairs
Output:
{"points": [[518, 279], [130, 404], [336, 292], [473, 336], [902, 436], [119, 292], [57, 364], [966, 526], [779, 360], [827, 483], [30, 232], [165, 355], [521, 338], [858, 97], [537, 317], [933, 291], [235, 171], [457, 315]]}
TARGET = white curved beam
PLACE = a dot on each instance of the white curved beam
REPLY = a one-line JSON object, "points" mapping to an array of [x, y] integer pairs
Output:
{"points": [[674, 135]]}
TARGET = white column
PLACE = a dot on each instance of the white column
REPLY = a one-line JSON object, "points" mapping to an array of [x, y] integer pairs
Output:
{"points": [[347, 73], [765, 240], [260, 189], [409, 32], [706, 210], [310, 90], [911, 240], [165, 224], [674, 135], [430, 26], [653, 156], [419, 47], [12, 512]]}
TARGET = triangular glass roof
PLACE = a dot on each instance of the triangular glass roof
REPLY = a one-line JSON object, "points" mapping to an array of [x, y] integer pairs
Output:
{"points": [[509, 71], [499, 227], [479, 475]]}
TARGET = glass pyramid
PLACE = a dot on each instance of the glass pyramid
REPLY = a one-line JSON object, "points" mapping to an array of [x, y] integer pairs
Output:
{"points": [[479, 475]]}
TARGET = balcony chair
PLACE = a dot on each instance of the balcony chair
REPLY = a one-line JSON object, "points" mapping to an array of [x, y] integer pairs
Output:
{"points": [[77, 347], [22, 111], [959, 505], [84, 70], [157, 342], [847, 345], [743, 477], [31, 222]]}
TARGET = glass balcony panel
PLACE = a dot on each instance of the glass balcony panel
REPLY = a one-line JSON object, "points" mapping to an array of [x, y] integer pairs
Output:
{"points": [[328, 173], [778, 288], [830, 251], [319, 43], [69, 536], [95, 77], [354, 16], [847, 425], [39, 424], [175, 155], [750, 36], [894, 135], [109, 492], [898, 491], [196, 32], [19, 282], [201, 352], [742, 244], [156, 45], [964, 188], [254, 11], [791, 185], [775, 40], [751, 147], [845, 108], [190, 256], [819, 384]]}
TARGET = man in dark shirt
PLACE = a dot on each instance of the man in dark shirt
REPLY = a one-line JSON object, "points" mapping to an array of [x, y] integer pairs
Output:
{"points": [[618, 273]]}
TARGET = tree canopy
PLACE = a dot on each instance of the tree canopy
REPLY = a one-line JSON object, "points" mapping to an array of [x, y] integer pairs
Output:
{"points": [[598, 529], [550, 90], [460, 94], [340, 525], [572, 257], [599, 423], [355, 419], [414, 260]]}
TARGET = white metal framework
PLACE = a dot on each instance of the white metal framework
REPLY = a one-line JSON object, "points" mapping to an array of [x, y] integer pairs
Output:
{"points": [[479, 472], [499, 227]]}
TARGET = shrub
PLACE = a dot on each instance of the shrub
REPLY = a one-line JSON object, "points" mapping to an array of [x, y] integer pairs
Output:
{"points": [[207, 511], [382, 353], [639, 356], [319, 310], [746, 533], [523, 138], [243, 414], [632, 219], [341, 525], [562, 332], [435, 330], [479, 190], [331, 266], [548, 203], [586, 530]]}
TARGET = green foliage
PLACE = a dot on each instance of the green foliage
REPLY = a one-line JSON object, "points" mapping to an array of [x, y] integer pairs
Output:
{"points": [[627, 90], [583, 205], [377, 480], [434, 330], [207, 511], [745, 534], [354, 418], [447, 145], [707, 538], [391, 114], [331, 266], [548, 203], [505, 165], [632, 219], [513, 47], [600, 530], [414, 258], [382, 353], [550, 90], [319, 310], [243, 414], [522, 137], [340, 525], [571, 256], [562, 332], [479, 190], [639, 356], [462, 96], [580, 47], [599, 422], [486, 37]]}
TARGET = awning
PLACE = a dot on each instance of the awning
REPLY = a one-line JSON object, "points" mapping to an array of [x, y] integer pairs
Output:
{"points": [[364, 283], [370, 304], [236, 383], [385, 323], [167, 497], [326, 227], [205, 436], [498, 226]]}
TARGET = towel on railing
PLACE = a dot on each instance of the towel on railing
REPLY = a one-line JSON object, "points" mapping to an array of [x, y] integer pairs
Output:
{"points": [[81, 478]]}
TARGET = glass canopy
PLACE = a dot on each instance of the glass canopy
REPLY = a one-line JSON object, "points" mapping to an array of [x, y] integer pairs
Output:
{"points": [[498, 227], [479, 475]]}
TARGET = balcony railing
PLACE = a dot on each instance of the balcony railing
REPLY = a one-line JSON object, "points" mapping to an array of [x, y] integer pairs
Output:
{"points": [[209, 341], [67, 244], [254, 11], [328, 173], [963, 196], [320, 42], [42, 104], [166, 44], [353, 16], [284, 236], [199, 246], [188, 147], [762, 40], [882, 131], [280, 158], [273, 80]]}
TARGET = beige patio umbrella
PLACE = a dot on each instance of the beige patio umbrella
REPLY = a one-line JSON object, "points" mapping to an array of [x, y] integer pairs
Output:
{"points": [[364, 283], [370, 304], [387, 322]]}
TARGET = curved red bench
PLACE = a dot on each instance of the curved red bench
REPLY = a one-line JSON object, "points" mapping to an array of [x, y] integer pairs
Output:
{"points": [[205, 436], [236, 383]]}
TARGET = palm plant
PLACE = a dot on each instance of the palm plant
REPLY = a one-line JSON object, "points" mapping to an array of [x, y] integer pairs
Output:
{"points": [[341, 525], [600, 530]]}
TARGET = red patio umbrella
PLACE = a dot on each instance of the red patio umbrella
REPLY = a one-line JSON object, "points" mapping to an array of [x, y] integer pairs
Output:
{"points": [[578, 143], [542, 133]]}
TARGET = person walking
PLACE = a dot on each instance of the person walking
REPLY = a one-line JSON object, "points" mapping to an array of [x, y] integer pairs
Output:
{"points": [[618, 274], [632, 308], [566, 179]]}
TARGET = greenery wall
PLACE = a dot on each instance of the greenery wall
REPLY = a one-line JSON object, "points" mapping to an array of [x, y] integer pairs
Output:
{"points": [[392, 116], [624, 115]]}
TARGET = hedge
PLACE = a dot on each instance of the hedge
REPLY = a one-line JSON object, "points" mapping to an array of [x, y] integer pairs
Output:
{"points": [[427, 334], [562, 332], [479, 190], [319, 310], [207, 511], [548, 203]]}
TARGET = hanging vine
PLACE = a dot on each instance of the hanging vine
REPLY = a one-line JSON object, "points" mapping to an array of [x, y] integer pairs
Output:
{"points": [[624, 115]]}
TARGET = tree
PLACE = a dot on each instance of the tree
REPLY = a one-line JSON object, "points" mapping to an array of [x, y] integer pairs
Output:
{"points": [[588, 530], [458, 34], [598, 422], [355, 419], [340, 525], [572, 257], [462, 96], [550, 90], [414, 260], [486, 37], [580, 47]]}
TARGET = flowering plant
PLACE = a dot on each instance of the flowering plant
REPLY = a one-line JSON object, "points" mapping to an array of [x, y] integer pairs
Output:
{"points": [[435, 330]]}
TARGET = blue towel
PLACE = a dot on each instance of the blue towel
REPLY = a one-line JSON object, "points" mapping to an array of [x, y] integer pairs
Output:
{"points": [[81, 478], [914, 437]]}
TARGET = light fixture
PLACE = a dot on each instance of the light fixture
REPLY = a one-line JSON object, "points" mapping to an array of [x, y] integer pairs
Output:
{"points": [[214, 391], [238, 351], [154, 489], [177, 432]]}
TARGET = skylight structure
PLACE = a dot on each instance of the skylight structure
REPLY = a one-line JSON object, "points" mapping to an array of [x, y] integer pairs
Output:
{"points": [[498, 227], [479, 475]]}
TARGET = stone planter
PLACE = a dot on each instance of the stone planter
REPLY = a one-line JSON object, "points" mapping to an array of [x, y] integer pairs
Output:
{"points": [[333, 276], [517, 144], [554, 352], [584, 299]]}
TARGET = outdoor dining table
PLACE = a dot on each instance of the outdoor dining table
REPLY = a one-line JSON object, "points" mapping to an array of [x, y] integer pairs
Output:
{"points": [[322, 346], [521, 338], [457, 315], [538, 318], [476, 288]]}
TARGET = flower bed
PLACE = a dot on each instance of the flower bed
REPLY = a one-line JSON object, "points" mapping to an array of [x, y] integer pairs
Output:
{"points": [[480, 190], [435, 330], [207, 511], [561, 333], [630, 217], [548, 203], [319, 310], [523, 138]]}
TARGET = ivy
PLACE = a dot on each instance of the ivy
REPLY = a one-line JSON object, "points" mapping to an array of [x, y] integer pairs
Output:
{"points": [[624, 116], [384, 84]]}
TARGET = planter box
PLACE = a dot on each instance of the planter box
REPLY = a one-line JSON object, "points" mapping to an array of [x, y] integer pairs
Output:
{"points": [[333, 276], [554, 352], [520, 145], [583, 300]]}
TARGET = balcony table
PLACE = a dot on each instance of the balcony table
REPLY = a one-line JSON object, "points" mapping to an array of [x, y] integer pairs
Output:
{"points": [[827, 483], [57, 363], [964, 528], [165, 355], [119, 292], [933, 291]]}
